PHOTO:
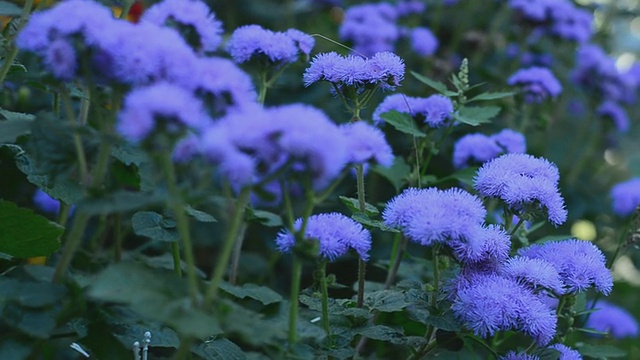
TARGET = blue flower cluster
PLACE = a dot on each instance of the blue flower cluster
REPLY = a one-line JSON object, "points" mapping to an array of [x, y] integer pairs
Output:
{"points": [[625, 196], [435, 110], [560, 18], [479, 148], [537, 83]]}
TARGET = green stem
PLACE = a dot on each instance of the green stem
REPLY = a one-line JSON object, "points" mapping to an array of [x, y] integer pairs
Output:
{"points": [[325, 299], [362, 266], [521, 221], [262, 95], [126, 8], [73, 241], [77, 141], [235, 258], [117, 253], [399, 244], [13, 50], [227, 246], [182, 222], [296, 275]]}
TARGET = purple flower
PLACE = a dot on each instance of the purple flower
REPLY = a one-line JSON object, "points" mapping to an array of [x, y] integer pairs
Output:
{"points": [[367, 143], [408, 7], [189, 16], [538, 83], [304, 41], [384, 69], [335, 233], [223, 85], [436, 109], [525, 183], [612, 319], [579, 263], [474, 148], [537, 274], [570, 22], [596, 71], [512, 355], [610, 109], [371, 28], [253, 42], [60, 58], [511, 141], [566, 353], [423, 41], [144, 107], [45, 202], [625, 196], [218, 147], [533, 10], [398, 102], [482, 245], [493, 303]]}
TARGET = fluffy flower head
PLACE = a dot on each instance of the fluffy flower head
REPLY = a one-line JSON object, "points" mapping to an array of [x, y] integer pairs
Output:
{"points": [[626, 196], [538, 83]]}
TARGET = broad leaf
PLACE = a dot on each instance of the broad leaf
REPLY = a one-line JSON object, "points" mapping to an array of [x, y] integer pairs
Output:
{"points": [[436, 85], [403, 122], [370, 223], [396, 174], [200, 216], [380, 332], [490, 96], [601, 351], [16, 124], [119, 201], [386, 300], [261, 293], [476, 115], [354, 206], [154, 226], [219, 349], [264, 217], [24, 234], [31, 294]]}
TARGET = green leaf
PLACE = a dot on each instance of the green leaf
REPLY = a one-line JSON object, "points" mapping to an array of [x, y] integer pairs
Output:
{"points": [[403, 122], [154, 226], [600, 351], [119, 201], [219, 349], [449, 340], [396, 174], [445, 322], [370, 223], [354, 206], [264, 217], [547, 354], [590, 331], [200, 216], [24, 234], [476, 115], [16, 124], [436, 85], [31, 294], [9, 9], [37, 323], [156, 294], [261, 293], [380, 332], [14, 349], [386, 300], [490, 96]]}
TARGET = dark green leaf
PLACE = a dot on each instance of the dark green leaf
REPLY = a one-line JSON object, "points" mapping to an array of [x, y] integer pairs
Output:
{"points": [[590, 331], [449, 340], [31, 294], [261, 293], [445, 322], [37, 323], [386, 300], [9, 9], [465, 175], [370, 223], [24, 234], [156, 294], [14, 349], [547, 354], [16, 124], [380, 332], [200, 216], [403, 122], [119, 201], [601, 351], [436, 85], [154, 226], [396, 174], [490, 96], [476, 115], [219, 349], [354, 206], [265, 218]]}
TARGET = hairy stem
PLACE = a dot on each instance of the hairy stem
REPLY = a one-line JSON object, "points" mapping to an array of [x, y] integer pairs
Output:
{"points": [[13, 49], [325, 300]]}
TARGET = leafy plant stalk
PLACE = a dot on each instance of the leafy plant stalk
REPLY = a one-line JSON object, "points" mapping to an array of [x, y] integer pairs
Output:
{"points": [[13, 49]]}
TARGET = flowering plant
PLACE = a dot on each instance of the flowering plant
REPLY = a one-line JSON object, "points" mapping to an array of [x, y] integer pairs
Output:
{"points": [[400, 179]]}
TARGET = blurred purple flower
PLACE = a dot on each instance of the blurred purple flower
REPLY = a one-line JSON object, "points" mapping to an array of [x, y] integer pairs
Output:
{"points": [[371, 27], [304, 41], [335, 233], [436, 109], [45, 202], [367, 144], [570, 22], [610, 318], [423, 41], [188, 15], [533, 10], [477, 148], [595, 70], [538, 83], [408, 7], [493, 303], [566, 353], [144, 107], [252, 42], [611, 110], [580, 264], [625, 196], [60, 58], [511, 141], [524, 183]]}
